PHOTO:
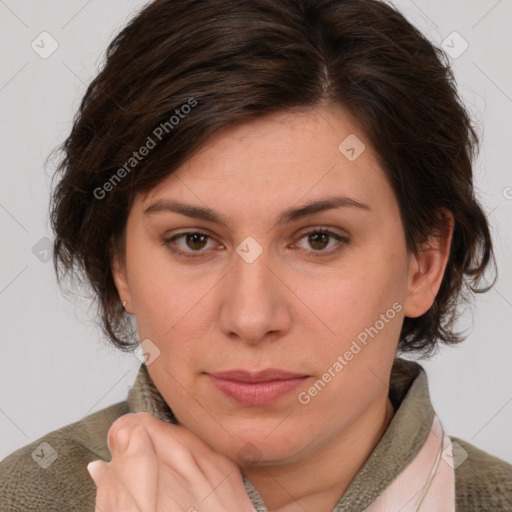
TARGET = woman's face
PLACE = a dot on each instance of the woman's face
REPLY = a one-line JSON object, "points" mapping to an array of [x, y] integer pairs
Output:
{"points": [[264, 289]]}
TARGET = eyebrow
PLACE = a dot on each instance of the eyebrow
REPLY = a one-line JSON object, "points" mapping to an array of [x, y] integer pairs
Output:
{"points": [[286, 216]]}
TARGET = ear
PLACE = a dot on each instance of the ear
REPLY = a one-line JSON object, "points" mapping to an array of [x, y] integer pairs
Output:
{"points": [[119, 275], [426, 269]]}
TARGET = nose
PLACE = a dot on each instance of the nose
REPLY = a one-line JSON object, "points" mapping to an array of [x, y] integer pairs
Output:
{"points": [[255, 305]]}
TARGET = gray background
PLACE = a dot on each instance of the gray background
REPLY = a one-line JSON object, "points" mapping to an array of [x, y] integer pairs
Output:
{"points": [[55, 366]]}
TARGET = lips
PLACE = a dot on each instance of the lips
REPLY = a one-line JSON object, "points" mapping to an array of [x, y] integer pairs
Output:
{"points": [[256, 388], [267, 375]]}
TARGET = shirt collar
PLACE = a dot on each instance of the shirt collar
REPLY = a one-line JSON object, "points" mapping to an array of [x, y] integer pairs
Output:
{"points": [[400, 443]]}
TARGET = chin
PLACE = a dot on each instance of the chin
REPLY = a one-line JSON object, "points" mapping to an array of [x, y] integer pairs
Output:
{"points": [[262, 450]]}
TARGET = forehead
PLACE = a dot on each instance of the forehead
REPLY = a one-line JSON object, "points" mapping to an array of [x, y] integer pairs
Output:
{"points": [[279, 159]]}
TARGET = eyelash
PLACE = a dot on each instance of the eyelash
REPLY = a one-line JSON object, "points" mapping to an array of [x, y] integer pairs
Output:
{"points": [[314, 254]]}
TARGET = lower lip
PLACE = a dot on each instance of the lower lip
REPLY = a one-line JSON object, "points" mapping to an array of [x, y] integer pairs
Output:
{"points": [[257, 393]]}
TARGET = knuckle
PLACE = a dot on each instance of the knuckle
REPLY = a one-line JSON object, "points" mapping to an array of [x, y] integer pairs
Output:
{"points": [[123, 421], [130, 428], [119, 432]]}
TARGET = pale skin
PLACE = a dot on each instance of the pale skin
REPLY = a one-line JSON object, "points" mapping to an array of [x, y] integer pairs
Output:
{"points": [[286, 309]]}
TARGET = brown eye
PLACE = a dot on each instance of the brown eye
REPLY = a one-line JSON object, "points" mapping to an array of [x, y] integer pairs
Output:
{"points": [[191, 244], [195, 240], [319, 240]]}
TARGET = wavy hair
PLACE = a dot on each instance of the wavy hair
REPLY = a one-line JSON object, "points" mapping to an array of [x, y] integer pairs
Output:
{"points": [[243, 59]]}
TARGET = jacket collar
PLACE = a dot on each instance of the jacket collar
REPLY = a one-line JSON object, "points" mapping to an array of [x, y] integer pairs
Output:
{"points": [[401, 442]]}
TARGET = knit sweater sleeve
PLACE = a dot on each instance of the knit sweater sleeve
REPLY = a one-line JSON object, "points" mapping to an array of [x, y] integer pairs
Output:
{"points": [[482, 482], [50, 474]]}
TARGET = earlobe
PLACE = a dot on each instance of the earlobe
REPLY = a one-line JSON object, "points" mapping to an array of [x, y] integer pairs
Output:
{"points": [[427, 267], [121, 282]]}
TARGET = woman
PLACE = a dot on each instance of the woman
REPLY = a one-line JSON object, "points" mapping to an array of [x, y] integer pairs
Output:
{"points": [[270, 200]]}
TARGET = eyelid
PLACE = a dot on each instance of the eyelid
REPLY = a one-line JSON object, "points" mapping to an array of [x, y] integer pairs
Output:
{"points": [[168, 240], [342, 241]]}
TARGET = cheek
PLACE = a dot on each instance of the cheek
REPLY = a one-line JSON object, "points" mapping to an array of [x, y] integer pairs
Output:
{"points": [[164, 298], [346, 301], [360, 312]]}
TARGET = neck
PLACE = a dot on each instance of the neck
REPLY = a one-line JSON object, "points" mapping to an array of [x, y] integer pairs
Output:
{"points": [[318, 481]]}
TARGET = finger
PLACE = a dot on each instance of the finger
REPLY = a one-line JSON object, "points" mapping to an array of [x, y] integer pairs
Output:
{"points": [[175, 449], [179, 438], [136, 467], [170, 442], [119, 433], [190, 471], [97, 469], [112, 496], [186, 461], [162, 428], [214, 465], [185, 448]]}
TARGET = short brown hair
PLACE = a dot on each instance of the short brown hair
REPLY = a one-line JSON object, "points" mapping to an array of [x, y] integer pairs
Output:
{"points": [[237, 60]]}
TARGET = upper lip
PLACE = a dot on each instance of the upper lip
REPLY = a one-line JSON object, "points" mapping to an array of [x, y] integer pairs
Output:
{"points": [[266, 375]]}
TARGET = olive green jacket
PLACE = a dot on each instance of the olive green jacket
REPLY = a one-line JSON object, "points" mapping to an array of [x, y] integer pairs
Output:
{"points": [[50, 474]]}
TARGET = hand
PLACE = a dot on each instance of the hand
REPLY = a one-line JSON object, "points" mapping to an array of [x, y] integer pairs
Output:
{"points": [[161, 467]]}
